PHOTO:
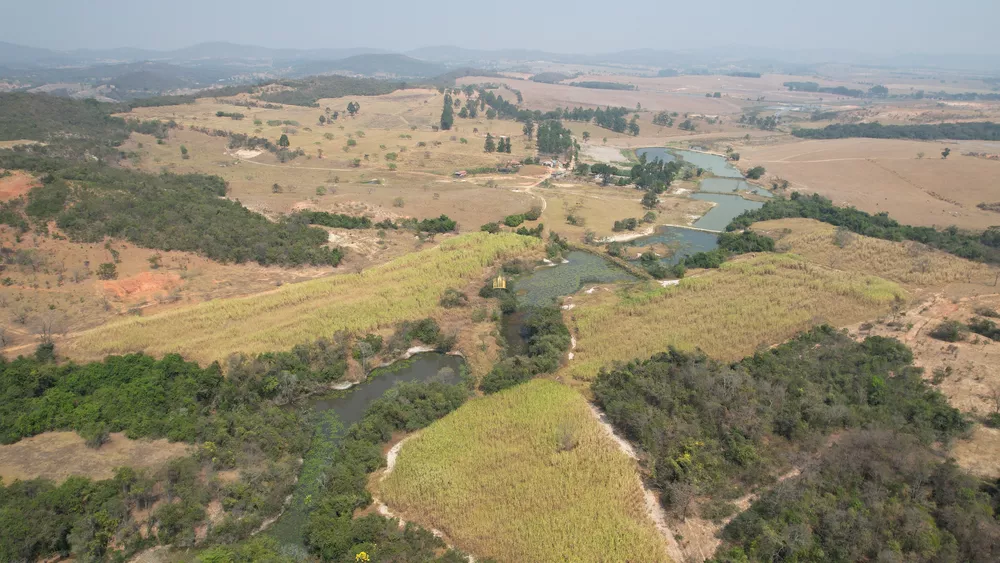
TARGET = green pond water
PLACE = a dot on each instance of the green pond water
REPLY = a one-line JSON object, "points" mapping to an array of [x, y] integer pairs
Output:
{"points": [[652, 153], [546, 283], [729, 186], [728, 207], [717, 165], [683, 242], [337, 412]]}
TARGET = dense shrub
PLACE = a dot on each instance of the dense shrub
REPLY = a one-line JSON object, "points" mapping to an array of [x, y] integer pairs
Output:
{"points": [[90, 202], [547, 338], [949, 331], [707, 426], [987, 131]]}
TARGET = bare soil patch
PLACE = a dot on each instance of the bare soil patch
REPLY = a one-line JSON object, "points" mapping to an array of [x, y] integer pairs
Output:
{"points": [[15, 185], [145, 284], [58, 455]]}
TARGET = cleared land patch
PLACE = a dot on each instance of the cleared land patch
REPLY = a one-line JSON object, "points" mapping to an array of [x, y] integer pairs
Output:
{"points": [[407, 288], [728, 313], [16, 184], [525, 475], [58, 455]]}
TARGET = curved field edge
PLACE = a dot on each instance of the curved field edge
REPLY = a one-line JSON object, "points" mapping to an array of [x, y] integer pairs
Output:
{"points": [[527, 474], [407, 288], [727, 313]]}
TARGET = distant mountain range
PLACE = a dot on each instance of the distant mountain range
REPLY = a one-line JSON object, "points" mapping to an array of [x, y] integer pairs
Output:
{"points": [[19, 56]]}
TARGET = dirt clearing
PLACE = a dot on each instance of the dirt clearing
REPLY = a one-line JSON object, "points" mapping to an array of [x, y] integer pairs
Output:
{"points": [[58, 455], [15, 185]]}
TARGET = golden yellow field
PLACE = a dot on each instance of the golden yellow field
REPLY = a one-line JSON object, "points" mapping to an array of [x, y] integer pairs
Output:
{"points": [[913, 264], [406, 288], [525, 475], [728, 313]]}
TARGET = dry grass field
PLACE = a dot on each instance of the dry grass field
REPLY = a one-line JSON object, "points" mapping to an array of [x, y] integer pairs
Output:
{"points": [[596, 208], [310, 183], [914, 265], [525, 475], [408, 288], [58, 455], [727, 313], [877, 175]]}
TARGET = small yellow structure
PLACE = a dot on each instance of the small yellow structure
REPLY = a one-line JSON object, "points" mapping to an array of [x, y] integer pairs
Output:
{"points": [[499, 283]]}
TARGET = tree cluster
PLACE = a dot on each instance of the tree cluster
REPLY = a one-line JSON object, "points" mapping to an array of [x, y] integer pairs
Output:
{"points": [[983, 130], [167, 212]]}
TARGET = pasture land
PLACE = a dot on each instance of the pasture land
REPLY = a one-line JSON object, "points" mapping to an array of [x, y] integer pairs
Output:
{"points": [[914, 265], [882, 175], [376, 299], [311, 183], [58, 455], [728, 313], [527, 474], [596, 208], [399, 123]]}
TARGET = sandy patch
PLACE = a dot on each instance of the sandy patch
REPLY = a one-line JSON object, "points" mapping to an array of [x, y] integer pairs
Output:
{"points": [[17, 184], [247, 153], [142, 285], [58, 455]]}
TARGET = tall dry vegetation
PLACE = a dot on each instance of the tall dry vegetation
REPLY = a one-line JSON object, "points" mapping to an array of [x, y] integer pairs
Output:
{"points": [[727, 313], [526, 474], [407, 288]]}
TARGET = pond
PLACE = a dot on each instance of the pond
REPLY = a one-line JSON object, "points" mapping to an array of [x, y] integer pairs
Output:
{"points": [[652, 153], [716, 164], [727, 207], [349, 406], [683, 242], [547, 283], [729, 186]]}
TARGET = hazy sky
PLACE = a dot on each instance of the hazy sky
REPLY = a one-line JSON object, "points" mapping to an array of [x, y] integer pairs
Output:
{"points": [[578, 26]]}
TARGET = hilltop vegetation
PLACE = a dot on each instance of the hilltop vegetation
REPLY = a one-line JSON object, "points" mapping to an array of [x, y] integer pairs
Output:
{"points": [[167, 212], [983, 247], [985, 130], [307, 91], [875, 493], [708, 427]]}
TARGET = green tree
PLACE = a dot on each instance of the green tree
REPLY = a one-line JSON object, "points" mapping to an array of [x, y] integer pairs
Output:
{"points": [[491, 113], [447, 113], [322, 120], [650, 200], [633, 126], [489, 145], [756, 172], [945, 152], [586, 136], [107, 271], [283, 141], [184, 152], [529, 129], [353, 108]]}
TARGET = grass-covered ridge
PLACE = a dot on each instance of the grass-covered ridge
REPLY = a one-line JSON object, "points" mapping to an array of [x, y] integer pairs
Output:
{"points": [[727, 313], [525, 475], [407, 288]]}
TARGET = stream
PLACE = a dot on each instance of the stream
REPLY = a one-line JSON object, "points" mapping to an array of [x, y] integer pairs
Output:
{"points": [[347, 407]]}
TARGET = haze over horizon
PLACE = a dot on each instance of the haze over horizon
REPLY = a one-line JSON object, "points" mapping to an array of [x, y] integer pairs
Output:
{"points": [[890, 27]]}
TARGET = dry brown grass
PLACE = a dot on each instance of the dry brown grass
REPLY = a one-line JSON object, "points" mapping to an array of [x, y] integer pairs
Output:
{"points": [[877, 175], [58, 455], [468, 201], [912, 264]]}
